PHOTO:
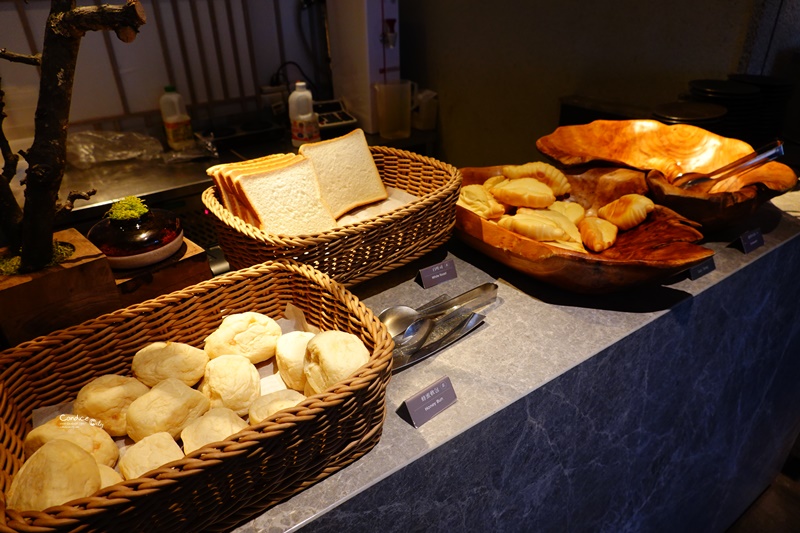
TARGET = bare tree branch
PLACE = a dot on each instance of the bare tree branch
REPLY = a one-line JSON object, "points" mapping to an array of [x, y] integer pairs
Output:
{"points": [[11, 220], [35, 59], [63, 208], [123, 20]]}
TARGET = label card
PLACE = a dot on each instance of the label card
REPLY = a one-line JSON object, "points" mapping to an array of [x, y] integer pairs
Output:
{"points": [[430, 401], [433, 275], [751, 240], [700, 270]]}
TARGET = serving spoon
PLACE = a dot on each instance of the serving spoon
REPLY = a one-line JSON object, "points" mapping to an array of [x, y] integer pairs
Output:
{"points": [[744, 164]]}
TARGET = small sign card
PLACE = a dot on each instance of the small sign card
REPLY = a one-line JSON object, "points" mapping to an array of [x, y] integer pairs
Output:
{"points": [[430, 401], [433, 275], [700, 270], [751, 240]]}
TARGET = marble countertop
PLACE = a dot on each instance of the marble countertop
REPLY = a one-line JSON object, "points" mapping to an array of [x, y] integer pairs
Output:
{"points": [[533, 333]]}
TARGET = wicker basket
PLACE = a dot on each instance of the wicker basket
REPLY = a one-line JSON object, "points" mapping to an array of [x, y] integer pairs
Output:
{"points": [[358, 252], [221, 485]]}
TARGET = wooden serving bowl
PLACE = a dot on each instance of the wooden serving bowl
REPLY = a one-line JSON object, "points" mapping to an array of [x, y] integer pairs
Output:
{"points": [[664, 152], [656, 250]]}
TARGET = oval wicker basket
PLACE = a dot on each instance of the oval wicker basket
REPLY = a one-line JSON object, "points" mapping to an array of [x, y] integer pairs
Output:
{"points": [[358, 252], [219, 486]]}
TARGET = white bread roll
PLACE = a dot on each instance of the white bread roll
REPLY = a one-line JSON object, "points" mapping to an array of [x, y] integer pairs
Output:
{"points": [[56, 473], [109, 476], [250, 334], [217, 424], [231, 381], [161, 360], [290, 354], [169, 406], [346, 171], [287, 199], [79, 430], [149, 453], [332, 356], [107, 398], [269, 404]]}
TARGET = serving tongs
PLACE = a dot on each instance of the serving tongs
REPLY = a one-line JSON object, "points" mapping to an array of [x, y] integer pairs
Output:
{"points": [[744, 164], [419, 333], [466, 322]]}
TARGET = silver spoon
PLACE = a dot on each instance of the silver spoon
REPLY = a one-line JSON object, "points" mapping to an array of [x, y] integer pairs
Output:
{"points": [[414, 336], [399, 317], [744, 164]]}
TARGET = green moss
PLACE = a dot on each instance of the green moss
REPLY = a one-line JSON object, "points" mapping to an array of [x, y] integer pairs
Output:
{"points": [[128, 208], [9, 265]]}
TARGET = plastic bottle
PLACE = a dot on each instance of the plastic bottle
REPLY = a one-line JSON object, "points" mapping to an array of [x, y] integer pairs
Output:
{"points": [[177, 123], [305, 123]]}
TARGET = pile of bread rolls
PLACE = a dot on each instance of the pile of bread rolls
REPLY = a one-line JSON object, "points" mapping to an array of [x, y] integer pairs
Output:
{"points": [[179, 399], [533, 200]]}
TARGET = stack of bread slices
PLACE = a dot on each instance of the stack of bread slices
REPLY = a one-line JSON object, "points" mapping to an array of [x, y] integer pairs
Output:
{"points": [[288, 194]]}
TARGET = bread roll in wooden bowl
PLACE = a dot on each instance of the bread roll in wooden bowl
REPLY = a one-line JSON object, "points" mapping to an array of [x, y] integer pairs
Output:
{"points": [[653, 252]]}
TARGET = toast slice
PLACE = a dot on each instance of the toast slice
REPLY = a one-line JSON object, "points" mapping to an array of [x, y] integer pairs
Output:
{"points": [[347, 174], [286, 199]]}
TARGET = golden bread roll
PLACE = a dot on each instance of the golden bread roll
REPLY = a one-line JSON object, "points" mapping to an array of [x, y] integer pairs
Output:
{"points": [[148, 454], [58, 472], [109, 476], [252, 335], [627, 211], [269, 404], [161, 360], [290, 354], [107, 398], [597, 234], [480, 201], [216, 425], [570, 229], [492, 182], [572, 210], [332, 356], [524, 192], [168, 407], [533, 227], [231, 381], [544, 172], [79, 430]]}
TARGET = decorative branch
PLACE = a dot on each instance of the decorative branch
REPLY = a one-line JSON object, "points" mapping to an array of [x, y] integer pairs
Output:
{"points": [[35, 59], [63, 208], [11, 221], [66, 25], [123, 20]]}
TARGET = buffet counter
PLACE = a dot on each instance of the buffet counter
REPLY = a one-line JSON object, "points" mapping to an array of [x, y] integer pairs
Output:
{"points": [[668, 407]]}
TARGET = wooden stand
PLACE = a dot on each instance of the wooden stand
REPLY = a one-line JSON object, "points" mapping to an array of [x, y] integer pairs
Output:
{"points": [[37, 303], [187, 266]]}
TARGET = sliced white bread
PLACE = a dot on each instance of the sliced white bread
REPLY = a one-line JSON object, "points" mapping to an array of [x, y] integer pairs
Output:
{"points": [[224, 174], [287, 199], [232, 174], [347, 174]]}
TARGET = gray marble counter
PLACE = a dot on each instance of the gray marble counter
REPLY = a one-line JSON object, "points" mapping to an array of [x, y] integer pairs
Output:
{"points": [[663, 408]]}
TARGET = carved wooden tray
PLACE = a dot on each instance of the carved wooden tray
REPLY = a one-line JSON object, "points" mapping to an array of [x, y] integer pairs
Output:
{"points": [[653, 252], [664, 152]]}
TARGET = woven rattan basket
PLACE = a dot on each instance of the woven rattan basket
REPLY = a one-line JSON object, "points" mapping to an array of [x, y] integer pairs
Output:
{"points": [[358, 252], [221, 485]]}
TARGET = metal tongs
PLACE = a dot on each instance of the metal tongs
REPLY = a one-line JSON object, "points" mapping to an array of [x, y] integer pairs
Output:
{"points": [[751, 161], [422, 332]]}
